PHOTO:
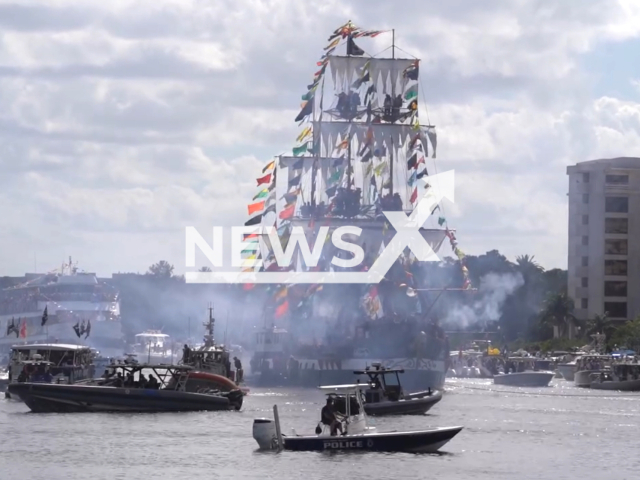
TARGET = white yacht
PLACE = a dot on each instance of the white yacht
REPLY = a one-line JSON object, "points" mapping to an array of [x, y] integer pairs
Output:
{"points": [[523, 372], [65, 305], [154, 347]]}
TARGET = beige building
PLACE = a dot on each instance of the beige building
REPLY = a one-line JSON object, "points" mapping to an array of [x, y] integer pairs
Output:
{"points": [[604, 238]]}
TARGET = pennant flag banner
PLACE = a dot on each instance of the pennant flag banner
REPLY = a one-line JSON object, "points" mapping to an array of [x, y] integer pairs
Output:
{"points": [[264, 180], [297, 151], [261, 194], [255, 207], [269, 166], [282, 309]]}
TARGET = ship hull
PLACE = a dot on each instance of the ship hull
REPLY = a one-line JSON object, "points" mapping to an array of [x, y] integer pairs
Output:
{"points": [[51, 398], [418, 375]]}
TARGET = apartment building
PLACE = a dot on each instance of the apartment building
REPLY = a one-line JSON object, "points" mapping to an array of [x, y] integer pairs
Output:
{"points": [[604, 238]]}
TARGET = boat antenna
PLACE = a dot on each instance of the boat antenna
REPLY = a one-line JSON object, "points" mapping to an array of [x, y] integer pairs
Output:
{"points": [[208, 339], [226, 328], [393, 43]]}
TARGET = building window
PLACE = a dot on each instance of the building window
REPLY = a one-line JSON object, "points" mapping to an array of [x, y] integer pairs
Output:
{"points": [[616, 205], [615, 268], [617, 179], [585, 198], [585, 261], [585, 282], [615, 247], [585, 219], [585, 240], [616, 225], [584, 303], [585, 177], [616, 309], [615, 289]]}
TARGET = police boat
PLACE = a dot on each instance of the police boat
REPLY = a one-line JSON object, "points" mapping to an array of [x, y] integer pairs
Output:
{"points": [[356, 434]]}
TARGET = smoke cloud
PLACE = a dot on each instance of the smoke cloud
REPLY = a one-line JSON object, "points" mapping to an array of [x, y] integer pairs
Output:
{"points": [[494, 289]]}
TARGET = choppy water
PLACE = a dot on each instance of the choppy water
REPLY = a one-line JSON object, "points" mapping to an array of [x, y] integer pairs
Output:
{"points": [[552, 433]]}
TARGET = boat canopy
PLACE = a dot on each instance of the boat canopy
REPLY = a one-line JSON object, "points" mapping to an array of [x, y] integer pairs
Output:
{"points": [[343, 388], [51, 347], [153, 334]]}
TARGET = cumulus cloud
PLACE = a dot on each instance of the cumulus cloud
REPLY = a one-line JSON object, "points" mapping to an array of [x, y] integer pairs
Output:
{"points": [[123, 121]]}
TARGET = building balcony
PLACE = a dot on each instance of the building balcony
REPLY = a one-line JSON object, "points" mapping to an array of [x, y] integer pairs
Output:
{"points": [[617, 188]]}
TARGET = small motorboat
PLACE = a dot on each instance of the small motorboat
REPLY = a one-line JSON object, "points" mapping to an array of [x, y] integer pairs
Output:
{"points": [[589, 367], [624, 377], [523, 372], [384, 394], [173, 389], [357, 435], [49, 363]]}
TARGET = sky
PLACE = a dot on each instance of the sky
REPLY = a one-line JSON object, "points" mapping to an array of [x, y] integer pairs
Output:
{"points": [[122, 122]]}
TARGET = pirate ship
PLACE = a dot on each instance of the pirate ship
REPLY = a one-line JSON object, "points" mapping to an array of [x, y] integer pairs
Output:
{"points": [[362, 151]]}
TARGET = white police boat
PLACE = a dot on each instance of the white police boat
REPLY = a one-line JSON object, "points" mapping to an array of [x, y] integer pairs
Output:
{"points": [[356, 434]]}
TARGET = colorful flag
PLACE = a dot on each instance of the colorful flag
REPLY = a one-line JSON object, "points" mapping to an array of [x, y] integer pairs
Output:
{"points": [[253, 221], [255, 207], [261, 194], [297, 151], [304, 134], [287, 213], [264, 180], [282, 309], [414, 196], [269, 166]]}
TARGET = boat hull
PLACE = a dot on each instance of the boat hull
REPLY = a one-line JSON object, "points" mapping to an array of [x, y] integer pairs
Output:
{"points": [[52, 398], [626, 386], [584, 378], [410, 406], [425, 441], [567, 370], [418, 374], [524, 379]]}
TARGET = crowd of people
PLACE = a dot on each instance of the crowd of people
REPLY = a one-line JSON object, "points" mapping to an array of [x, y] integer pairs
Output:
{"points": [[111, 378]]}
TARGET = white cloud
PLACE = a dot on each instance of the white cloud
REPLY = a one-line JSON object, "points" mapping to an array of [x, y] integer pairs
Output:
{"points": [[123, 121]]}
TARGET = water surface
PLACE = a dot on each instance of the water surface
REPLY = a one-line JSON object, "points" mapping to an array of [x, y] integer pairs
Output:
{"points": [[553, 433]]}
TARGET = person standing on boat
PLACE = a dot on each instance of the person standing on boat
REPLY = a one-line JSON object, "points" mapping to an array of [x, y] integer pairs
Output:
{"points": [[239, 372], [186, 351], [329, 417]]}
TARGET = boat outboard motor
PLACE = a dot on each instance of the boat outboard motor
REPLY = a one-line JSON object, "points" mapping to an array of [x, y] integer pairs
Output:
{"points": [[264, 432]]}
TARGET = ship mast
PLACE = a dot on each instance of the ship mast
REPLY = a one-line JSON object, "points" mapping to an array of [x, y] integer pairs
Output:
{"points": [[393, 96], [392, 123], [317, 141], [209, 325]]}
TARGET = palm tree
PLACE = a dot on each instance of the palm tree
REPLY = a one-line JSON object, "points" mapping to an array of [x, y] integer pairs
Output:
{"points": [[204, 269], [530, 270], [526, 263], [557, 312], [600, 324]]}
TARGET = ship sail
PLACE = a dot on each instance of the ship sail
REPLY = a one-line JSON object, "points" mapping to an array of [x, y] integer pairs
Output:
{"points": [[361, 151]]}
